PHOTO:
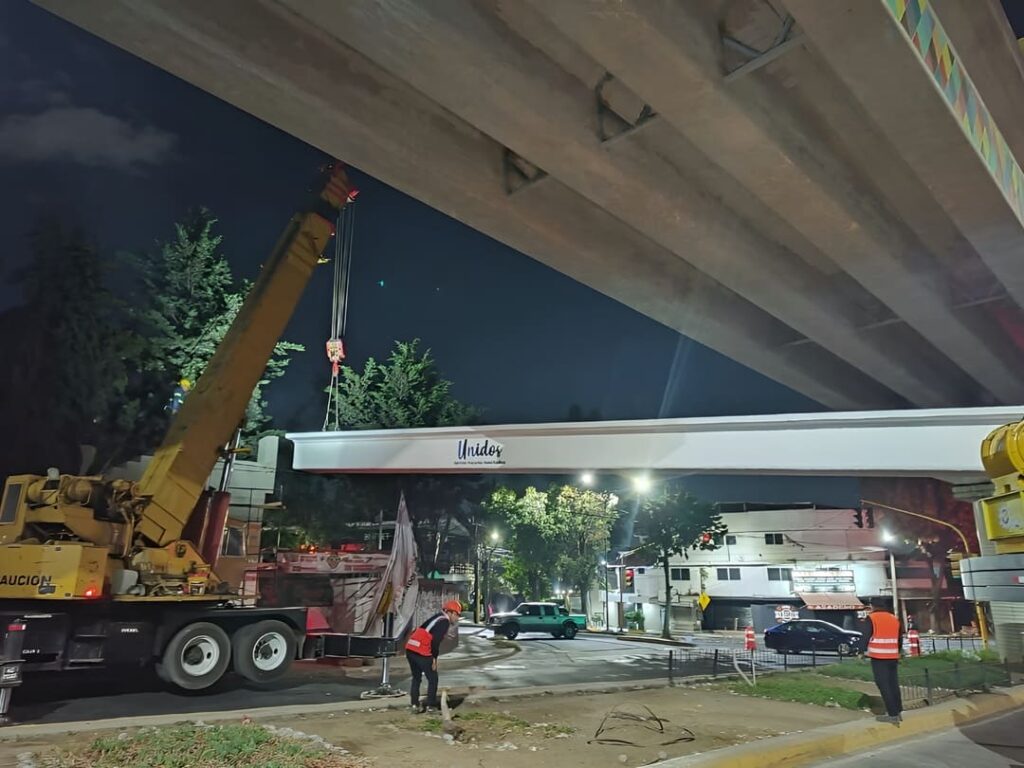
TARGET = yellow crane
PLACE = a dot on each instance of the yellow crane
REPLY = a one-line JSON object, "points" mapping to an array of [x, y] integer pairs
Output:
{"points": [[99, 572]]}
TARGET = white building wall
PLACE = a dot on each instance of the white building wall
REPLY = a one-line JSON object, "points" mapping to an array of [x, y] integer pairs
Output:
{"points": [[760, 541]]}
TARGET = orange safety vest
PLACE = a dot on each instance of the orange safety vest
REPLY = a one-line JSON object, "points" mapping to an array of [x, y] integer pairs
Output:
{"points": [[885, 636], [421, 641]]}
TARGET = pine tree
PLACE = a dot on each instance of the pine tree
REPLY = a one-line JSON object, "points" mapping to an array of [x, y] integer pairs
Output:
{"points": [[67, 356]]}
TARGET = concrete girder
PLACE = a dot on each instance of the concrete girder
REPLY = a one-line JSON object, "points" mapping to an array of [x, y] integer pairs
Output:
{"points": [[463, 58], [867, 50], [312, 87], [669, 55]]}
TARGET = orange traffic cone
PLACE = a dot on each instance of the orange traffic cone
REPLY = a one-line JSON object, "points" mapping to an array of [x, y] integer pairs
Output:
{"points": [[915, 642]]}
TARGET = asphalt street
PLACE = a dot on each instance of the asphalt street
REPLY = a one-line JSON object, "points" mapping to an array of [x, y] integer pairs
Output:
{"points": [[994, 743], [542, 661]]}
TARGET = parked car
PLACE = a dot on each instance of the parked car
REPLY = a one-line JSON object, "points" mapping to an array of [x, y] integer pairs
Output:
{"points": [[537, 617], [810, 634]]}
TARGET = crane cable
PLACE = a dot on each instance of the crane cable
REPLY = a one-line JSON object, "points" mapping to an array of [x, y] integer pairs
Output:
{"points": [[343, 238]]}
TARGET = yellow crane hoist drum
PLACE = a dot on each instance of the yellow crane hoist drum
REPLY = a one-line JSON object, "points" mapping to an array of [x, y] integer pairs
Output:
{"points": [[1002, 454]]}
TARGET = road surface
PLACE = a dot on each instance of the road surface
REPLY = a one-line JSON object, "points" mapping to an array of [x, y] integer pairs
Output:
{"points": [[994, 743], [542, 661]]}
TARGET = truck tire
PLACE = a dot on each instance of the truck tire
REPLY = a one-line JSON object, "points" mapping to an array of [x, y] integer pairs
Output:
{"points": [[510, 631], [263, 651], [196, 657], [569, 630]]}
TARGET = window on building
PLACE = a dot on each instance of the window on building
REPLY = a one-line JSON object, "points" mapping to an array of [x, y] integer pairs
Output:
{"points": [[780, 574], [728, 574], [680, 574], [773, 538], [730, 539]]}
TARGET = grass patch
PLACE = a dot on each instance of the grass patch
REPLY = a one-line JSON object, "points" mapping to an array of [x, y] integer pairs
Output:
{"points": [[804, 689], [483, 723], [227, 746], [948, 669]]}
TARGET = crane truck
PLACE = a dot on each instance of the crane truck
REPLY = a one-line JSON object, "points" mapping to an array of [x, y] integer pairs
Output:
{"points": [[99, 572]]}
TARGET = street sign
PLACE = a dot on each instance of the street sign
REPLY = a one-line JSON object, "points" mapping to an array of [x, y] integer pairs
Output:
{"points": [[703, 601]]}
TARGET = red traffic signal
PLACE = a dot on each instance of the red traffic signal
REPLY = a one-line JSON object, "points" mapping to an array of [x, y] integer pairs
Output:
{"points": [[629, 578]]}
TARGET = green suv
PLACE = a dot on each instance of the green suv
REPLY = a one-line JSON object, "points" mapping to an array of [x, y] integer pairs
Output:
{"points": [[537, 617]]}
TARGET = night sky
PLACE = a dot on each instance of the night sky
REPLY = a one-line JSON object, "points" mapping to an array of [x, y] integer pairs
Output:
{"points": [[123, 150]]}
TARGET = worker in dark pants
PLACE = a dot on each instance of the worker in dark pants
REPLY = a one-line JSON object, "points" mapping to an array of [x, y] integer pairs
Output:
{"points": [[422, 650], [882, 640]]}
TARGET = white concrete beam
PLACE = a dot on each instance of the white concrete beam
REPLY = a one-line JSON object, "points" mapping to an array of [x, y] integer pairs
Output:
{"points": [[943, 443]]}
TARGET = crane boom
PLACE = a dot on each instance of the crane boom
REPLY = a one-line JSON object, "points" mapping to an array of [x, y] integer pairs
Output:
{"points": [[178, 472]]}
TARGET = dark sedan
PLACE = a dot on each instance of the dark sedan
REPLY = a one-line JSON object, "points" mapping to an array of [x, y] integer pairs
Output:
{"points": [[810, 634]]}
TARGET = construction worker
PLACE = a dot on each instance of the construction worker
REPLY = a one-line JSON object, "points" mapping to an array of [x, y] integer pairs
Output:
{"points": [[422, 650], [881, 641]]}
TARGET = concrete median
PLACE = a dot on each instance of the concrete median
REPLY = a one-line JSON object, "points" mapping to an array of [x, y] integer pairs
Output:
{"points": [[810, 747]]}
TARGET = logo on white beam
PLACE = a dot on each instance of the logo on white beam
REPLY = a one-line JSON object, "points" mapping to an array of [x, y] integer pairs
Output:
{"points": [[479, 453]]}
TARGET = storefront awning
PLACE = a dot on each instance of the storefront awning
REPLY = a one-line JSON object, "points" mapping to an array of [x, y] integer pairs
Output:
{"points": [[831, 601]]}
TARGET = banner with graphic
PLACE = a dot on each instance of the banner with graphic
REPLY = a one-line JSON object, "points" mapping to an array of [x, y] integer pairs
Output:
{"points": [[398, 589]]}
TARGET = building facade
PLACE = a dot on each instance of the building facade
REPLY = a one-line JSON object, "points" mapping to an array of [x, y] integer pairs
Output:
{"points": [[774, 563]]}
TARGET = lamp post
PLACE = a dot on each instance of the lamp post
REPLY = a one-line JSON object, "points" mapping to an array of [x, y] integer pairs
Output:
{"points": [[979, 611], [495, 540], [889, 537], [604, 565]]}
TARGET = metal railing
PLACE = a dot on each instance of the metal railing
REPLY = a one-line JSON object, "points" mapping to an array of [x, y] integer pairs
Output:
{"points": [[721, 661], [938, 643], [944, 681], [943, 678]]}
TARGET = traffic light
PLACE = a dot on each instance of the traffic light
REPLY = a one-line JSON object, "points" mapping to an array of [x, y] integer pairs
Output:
{"points": [[858, 518], [954, 563], [628, 574], [869, 515]]}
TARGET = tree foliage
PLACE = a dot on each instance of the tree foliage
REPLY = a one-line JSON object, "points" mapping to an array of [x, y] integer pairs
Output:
{"points": [[67, 357], [673, 523], [405, 392], [558, 535], [97, 352]]}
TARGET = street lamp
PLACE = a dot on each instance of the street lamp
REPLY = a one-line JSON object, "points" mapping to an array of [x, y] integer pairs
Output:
{"points": [[642, 483], [495, 538], [587, 478], [604, 564], [890, 537], [979, 611]]}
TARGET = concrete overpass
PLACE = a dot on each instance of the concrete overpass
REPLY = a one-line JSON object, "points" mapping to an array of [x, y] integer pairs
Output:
{"points": [[827, 192]]}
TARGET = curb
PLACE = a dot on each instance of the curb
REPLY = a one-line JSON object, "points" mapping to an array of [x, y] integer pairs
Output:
{"points": [[800, 749], [643, 639], [38, 730]]}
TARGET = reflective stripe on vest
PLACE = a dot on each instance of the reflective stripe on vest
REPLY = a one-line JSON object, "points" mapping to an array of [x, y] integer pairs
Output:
{"points": [[885, 634], [421, 641]]}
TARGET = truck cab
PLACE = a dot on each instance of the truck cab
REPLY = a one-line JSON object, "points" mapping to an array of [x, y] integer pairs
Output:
{"points": [[537, 617]]}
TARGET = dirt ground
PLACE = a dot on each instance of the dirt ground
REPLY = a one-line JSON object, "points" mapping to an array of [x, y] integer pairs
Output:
{"points": [[632, 728], [564, 730]]}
